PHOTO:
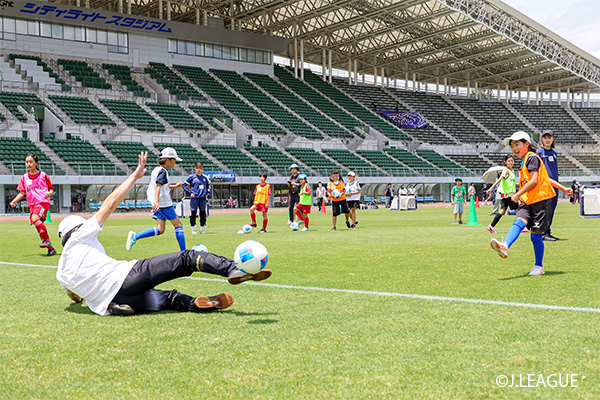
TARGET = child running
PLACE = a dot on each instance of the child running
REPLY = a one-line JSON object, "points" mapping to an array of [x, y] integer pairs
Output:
{"points": [[36, 186], [353, 192], [303, 206], [507, 186], [159, 195], [262, 193], [339, 205], [536, 190], [198, 187]]}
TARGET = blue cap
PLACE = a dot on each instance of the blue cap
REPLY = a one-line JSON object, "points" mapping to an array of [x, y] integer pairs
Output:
{"points": [[302, 176], [458, 178]]}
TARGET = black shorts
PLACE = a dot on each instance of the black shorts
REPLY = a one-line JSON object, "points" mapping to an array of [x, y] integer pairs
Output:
{"points": [[507, 203], [535, 214], [340, 207], [353, 204]]}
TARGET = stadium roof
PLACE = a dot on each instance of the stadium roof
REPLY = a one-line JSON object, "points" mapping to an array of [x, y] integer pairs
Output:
{"points": [[463, 41]]}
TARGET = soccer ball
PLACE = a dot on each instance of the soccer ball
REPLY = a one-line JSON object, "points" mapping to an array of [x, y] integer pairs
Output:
{"points": [[200, 247], [251, 257], [336, 194], [246, 228], [294, 226]]}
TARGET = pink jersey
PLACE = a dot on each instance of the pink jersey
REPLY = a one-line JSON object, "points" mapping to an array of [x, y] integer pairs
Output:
{"points": [[35, 188]]}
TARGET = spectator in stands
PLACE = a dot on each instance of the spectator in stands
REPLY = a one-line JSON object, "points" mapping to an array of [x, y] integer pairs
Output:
{"points": [[162, 205], [459, 195], [36, 187], [389, 194], [294, 192], [548, 155], [339, 205], [320, 193], [353, 192], [197, 186], [112, 287]]}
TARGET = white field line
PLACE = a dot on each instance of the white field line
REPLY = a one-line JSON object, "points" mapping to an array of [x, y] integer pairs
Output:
{"points": [[377, 293]]}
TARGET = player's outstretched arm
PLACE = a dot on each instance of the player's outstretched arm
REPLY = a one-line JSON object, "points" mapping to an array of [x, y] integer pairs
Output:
{"points": [[118, 195], [567, 191]]}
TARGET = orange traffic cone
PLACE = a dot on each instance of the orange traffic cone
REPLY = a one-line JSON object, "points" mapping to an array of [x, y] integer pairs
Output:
{"points": [[323, 210], [476, 201]]}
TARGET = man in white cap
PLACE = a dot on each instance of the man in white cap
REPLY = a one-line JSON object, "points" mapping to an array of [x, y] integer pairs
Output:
{"points": [[160, 197], [112, 287]]}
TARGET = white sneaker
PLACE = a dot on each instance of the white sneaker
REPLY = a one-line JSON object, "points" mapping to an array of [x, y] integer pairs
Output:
{"points": [[304, 229], [130, 240], [491, 229], [536, 270], [500, 247], [202, 231], [289, 222], [194, 230]]}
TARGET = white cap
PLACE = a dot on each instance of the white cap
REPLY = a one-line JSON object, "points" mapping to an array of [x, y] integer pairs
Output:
{"points": [[169, 152], [519, 135], [351, 173], [294, 166], [69, 223]]}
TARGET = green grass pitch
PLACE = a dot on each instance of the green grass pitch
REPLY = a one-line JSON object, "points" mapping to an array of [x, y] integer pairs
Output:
{"points": [[329, 324]]}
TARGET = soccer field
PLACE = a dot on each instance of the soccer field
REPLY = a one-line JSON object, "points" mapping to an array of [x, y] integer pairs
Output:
{"points": [[405, 306]]}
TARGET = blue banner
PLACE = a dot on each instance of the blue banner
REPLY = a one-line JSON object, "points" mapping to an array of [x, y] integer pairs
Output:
{"points": [[220, 176], [405, 119]]}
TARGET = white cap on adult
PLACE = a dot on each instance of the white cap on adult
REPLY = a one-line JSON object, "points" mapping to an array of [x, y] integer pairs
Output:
{"points": [[169, 152], [293, 166], [519, 135]]}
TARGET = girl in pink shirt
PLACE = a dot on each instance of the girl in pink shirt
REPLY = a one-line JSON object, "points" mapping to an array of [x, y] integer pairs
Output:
{"points": [[36, 186]]}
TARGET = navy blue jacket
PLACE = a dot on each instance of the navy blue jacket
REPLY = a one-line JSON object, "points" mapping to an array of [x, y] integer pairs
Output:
{"points": [[198, 185]]}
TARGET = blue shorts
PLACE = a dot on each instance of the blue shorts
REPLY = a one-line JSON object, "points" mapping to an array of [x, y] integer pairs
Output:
{"points": [[167, 213], [198, 203], [459, 208]]}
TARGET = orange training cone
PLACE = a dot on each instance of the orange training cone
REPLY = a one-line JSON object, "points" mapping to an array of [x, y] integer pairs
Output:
{"points": [[476, 201], [323, 210]]}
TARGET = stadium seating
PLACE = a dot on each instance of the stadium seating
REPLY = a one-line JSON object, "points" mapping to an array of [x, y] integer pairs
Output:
{"points": [[83, 157], [442, 162], [352, 162], [81, 110], [414, 162], [387, 163], [84, 73], [321, 103], [14, 150], [127, 152], [209, 114], [354, 108], [230, 101], [133, 115], [234, 159], [590, 160], [493, 115], [39, 71], [177, 116], [591, 117], [369, 96], [190, 157], [12, 101], [556, 119], [272, 157], [173, 82], [472, 162], [123, 74], [267, 105], [314, 160]]}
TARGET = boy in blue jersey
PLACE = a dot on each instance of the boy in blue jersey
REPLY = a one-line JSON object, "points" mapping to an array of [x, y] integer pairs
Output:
{"points": [[197, 186], [548, 156], [159, 195]]}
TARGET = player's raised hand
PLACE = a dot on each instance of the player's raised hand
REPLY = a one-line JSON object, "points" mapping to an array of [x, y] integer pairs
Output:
{"points": [[140, 170]]}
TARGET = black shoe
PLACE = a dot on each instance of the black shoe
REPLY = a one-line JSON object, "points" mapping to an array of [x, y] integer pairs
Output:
{"points": [[348, 224], [120, 309], [548, 238], [353, 226], [51, 252], [236, 276], [253, 225], [220, 302], [356, 223], [333, 229], [554, 237], [45, 243]]}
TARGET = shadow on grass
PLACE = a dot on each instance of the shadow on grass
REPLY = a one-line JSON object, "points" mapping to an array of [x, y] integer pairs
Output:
{"points": [[548, 273], [78, 308]]}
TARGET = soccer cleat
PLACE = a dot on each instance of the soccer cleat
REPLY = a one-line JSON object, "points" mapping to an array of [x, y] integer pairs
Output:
{"points": [[237, 276], [120, 309], [51, 252], [194, 230], [536, 270], [263, 230], [553, 237], [500, 247], [304, 229], [45, 243], [491, 229], [333, 229], [348, 224], [131, 238], [548, 238], [202, 231], [355, 224], [253, 224], [289, 222], [222, 301]]}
